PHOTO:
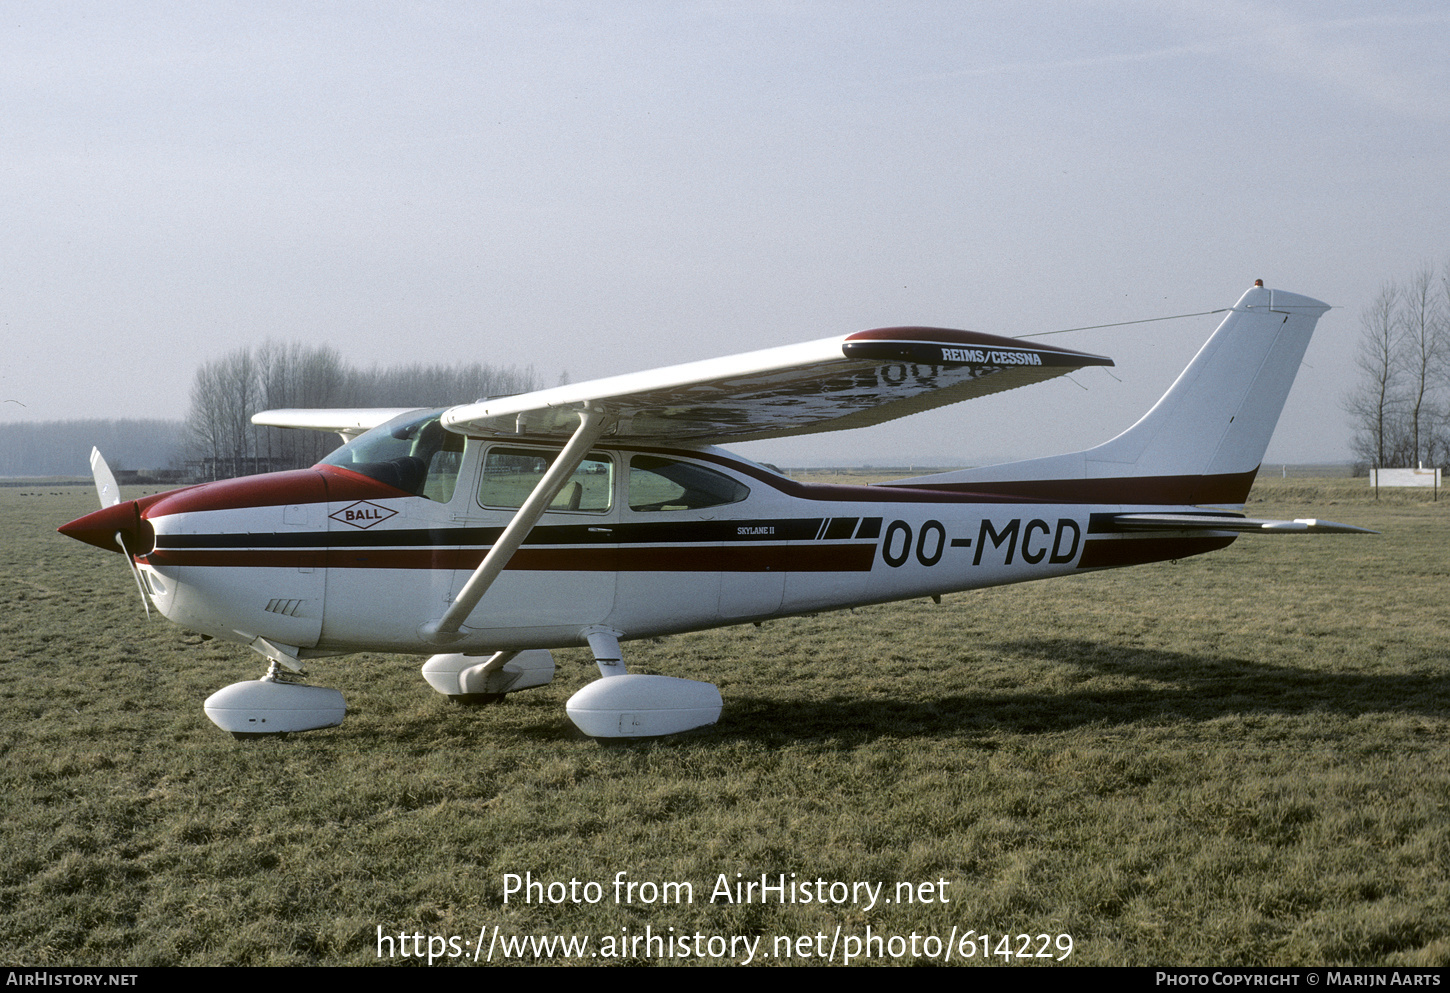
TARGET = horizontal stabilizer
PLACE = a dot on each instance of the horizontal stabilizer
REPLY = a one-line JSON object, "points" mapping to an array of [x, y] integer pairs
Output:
{"points": [[1231, 522]]}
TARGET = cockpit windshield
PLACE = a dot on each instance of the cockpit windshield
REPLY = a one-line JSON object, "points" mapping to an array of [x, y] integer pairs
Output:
{"points": [[412, 452]]}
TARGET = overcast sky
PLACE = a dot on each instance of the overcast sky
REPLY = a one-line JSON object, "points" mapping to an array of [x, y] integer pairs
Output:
{"points": [[595, 188]]}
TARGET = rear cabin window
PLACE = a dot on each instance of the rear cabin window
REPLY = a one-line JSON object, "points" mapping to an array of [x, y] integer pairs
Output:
{"points": [[657, 484], [510, 475]]}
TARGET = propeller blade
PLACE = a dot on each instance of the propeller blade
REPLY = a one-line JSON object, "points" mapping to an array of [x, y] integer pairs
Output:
{"points": [[136, 575], [106, 487], [110, 494]]}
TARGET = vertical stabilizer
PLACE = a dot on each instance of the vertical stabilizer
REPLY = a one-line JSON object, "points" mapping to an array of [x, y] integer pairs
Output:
{"points": [[1203, 440]]}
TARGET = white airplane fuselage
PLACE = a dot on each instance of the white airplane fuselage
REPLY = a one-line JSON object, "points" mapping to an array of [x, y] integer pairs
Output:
{"points": [[330, 561]]}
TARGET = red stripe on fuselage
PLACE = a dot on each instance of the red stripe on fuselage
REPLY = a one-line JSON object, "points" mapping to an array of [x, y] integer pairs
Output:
{"points": [[1183, 491]]}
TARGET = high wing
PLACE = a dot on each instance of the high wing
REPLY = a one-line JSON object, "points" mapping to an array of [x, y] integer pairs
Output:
{"points": [[346, 421], [858, 380]]}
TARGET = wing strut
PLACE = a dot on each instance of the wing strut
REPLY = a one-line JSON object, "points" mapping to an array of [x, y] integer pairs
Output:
{"points": [[445, 629]]}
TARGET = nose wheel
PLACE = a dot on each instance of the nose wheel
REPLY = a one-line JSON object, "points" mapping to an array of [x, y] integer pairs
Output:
{"points": [[275, 704]]}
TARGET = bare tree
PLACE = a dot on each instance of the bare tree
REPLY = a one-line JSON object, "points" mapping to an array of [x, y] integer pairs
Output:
{"points": [[293, 376], [243, 390], [1423, 342], [438, 385], [1401, 407], [1375, 404], [320, 379], [206, 424], [227, 392]]}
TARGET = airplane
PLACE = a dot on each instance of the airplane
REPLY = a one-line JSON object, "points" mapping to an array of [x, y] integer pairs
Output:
{"points": [[486, 534]]}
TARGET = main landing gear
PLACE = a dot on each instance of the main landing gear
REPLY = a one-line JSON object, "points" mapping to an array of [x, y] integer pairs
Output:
{"points": [[619, 705], [471, 679]]}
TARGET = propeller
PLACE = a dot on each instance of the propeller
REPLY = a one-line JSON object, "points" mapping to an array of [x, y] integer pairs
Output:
{"points": [[110, 494]]}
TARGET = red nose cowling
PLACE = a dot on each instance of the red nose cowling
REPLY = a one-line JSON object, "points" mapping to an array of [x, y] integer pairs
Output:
{"points": [[100, 529]]}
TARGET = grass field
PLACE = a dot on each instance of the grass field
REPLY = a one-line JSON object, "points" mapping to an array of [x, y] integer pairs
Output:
{"points": [[1240, 758]]}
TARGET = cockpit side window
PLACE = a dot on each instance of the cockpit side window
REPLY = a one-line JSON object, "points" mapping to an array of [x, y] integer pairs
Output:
{"points": [[510, 475], [666, 484], [413, 453]]}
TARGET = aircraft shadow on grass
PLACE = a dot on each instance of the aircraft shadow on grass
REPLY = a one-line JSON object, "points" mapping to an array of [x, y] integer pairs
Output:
{"points": [[1167, 686]]}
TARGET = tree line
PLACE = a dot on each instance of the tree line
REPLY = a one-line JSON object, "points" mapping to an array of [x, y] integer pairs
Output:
{"points": [[63, 448], [223, 441], [1400, 408]]}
